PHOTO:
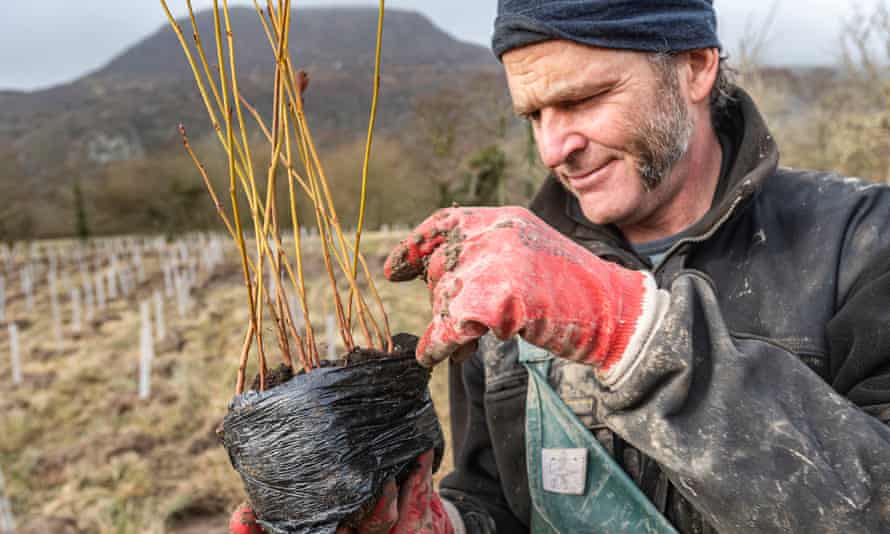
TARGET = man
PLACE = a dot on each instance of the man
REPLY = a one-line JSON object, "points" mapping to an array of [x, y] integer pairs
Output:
{"points": [[719, 324]]}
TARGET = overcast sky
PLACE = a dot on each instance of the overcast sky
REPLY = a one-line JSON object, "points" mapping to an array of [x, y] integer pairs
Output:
{"points": [[43, 43]]}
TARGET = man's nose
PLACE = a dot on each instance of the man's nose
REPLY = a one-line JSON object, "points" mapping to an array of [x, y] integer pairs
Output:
{"points": [[557, 137]]}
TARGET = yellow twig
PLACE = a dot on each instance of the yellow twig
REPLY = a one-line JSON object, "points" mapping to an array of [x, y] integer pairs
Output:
{"points": [[367, 159]]}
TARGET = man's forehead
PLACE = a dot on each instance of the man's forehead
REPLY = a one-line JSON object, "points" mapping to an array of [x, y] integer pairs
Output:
{"points": [[559, 71]]}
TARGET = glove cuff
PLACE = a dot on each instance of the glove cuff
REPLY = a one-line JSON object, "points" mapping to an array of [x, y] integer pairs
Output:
{"points": [[457, 522], [642, 305], [474, 518]]}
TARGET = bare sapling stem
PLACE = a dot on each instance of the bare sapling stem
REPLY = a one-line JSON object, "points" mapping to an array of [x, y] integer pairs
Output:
{"points": [[280, 331], [203, 57], [309, 156], [294, 96], [233, 193], [259, 12], [376, 295], [291, 327], [198, 79], [367, 159], [203, 171], [242, 365], [288, 129], [300, 286], [248, 165], [191, 60], [326, 246], [282, 160]]}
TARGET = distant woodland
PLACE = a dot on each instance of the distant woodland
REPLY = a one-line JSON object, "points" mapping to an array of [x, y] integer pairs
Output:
{"points": [[102, 155]]}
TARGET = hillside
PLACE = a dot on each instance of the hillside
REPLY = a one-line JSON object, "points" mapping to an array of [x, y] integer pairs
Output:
{"points": [[130, 108], [81, 453], [338, 38]]}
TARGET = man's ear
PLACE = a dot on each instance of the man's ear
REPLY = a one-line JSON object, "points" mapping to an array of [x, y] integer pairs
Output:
{"points": [[701, 72]]}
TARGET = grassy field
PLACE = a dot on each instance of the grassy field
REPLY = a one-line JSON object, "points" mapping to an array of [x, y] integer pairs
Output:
{"points": [[81, 453]]}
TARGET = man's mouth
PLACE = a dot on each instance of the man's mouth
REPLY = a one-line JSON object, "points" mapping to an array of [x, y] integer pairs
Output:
{"points": [[582, 182]]}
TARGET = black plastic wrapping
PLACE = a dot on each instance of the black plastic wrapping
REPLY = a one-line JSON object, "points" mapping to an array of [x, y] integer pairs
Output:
{"points": [[316, 449]]}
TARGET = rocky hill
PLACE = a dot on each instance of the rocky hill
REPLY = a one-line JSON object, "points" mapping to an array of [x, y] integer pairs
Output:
{"points": [[129, 109]]}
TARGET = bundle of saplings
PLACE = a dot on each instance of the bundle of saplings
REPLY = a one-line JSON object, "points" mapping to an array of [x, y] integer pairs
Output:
{"points": [[313, 440]]}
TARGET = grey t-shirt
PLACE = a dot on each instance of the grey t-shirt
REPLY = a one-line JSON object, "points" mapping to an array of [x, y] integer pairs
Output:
{"points": [[656, 250]]}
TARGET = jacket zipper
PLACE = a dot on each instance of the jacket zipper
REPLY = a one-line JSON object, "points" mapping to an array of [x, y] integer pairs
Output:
{"points": [[707, 235]]}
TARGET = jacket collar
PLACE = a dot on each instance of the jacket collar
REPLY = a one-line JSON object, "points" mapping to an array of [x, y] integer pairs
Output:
{"points": [[756, 158]]}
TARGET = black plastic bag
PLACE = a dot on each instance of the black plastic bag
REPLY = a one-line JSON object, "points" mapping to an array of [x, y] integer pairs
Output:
{"points": [[319, 448]]}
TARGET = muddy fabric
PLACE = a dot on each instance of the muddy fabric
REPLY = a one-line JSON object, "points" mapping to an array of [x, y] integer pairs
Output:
{"points": [[586, 485], [762, 400]]}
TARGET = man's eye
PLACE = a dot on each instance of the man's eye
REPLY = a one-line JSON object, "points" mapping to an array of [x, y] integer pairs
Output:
{"points": [[532, 116], [580, 102]]}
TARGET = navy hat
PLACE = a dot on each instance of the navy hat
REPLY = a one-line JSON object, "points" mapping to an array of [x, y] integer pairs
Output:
{"points": [[645, 25]]}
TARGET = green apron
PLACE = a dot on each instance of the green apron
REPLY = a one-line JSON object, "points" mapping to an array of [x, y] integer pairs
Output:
{"points": [[575, 485]]}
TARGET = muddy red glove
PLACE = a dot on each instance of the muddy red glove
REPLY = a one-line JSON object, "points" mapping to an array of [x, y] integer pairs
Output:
{"points": [[415, 508], [505, 270], [243, 521]]}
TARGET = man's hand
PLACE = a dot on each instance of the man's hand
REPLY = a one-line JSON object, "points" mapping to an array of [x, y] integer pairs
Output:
{"points": [[505, 270], [415, 508], [243, 521]]}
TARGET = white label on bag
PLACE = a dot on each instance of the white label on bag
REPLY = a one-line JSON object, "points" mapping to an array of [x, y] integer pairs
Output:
{"points": [[564, 470]]}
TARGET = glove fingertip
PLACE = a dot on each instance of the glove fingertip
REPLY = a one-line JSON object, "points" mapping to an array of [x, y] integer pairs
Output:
{"points": [[398, 267], [243, 521], [424, 354]]}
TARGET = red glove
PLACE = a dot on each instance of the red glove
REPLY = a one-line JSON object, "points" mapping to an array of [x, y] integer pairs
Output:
{"points": [[243, 521], [505, 270], [415, 508]]}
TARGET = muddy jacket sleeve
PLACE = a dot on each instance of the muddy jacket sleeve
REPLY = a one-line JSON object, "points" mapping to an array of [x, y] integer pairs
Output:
{"points": [[750, 435]]}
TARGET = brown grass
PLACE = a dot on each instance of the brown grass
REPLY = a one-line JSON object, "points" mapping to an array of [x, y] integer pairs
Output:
{"points": [[76, 444]]}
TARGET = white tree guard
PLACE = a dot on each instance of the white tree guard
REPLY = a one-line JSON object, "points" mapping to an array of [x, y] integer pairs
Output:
{"points": [[76, 317], [7, 522], [54, 308], [88, 303], [28, 288], [160, 326], [15, 355], [146, 351], [100, 291]]}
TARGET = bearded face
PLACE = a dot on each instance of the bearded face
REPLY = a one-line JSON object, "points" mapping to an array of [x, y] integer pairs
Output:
{"points": [[663, 131], [612, 125]]}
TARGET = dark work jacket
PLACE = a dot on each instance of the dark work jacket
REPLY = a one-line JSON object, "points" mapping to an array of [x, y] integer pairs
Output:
{"points": [[761, 400]]}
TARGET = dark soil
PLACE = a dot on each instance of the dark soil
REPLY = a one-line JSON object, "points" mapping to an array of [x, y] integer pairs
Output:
{"points": [[274, 377], [402, 345]]}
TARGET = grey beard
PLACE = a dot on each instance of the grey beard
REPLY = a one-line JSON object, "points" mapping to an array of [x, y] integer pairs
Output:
{"points": [[663, 136]]}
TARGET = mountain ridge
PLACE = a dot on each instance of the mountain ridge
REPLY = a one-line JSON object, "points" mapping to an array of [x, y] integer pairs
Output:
{"points": [[319, 36], [139, 96]]}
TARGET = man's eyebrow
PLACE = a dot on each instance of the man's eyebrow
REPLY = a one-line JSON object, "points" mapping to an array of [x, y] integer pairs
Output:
{"points": [[563, 94]]}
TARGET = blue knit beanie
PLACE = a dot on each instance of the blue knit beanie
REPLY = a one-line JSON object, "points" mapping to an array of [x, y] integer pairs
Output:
{"points": [[645, 25]]}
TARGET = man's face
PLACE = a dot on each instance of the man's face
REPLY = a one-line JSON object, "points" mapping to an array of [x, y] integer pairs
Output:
{"points": [[609, 123]]}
